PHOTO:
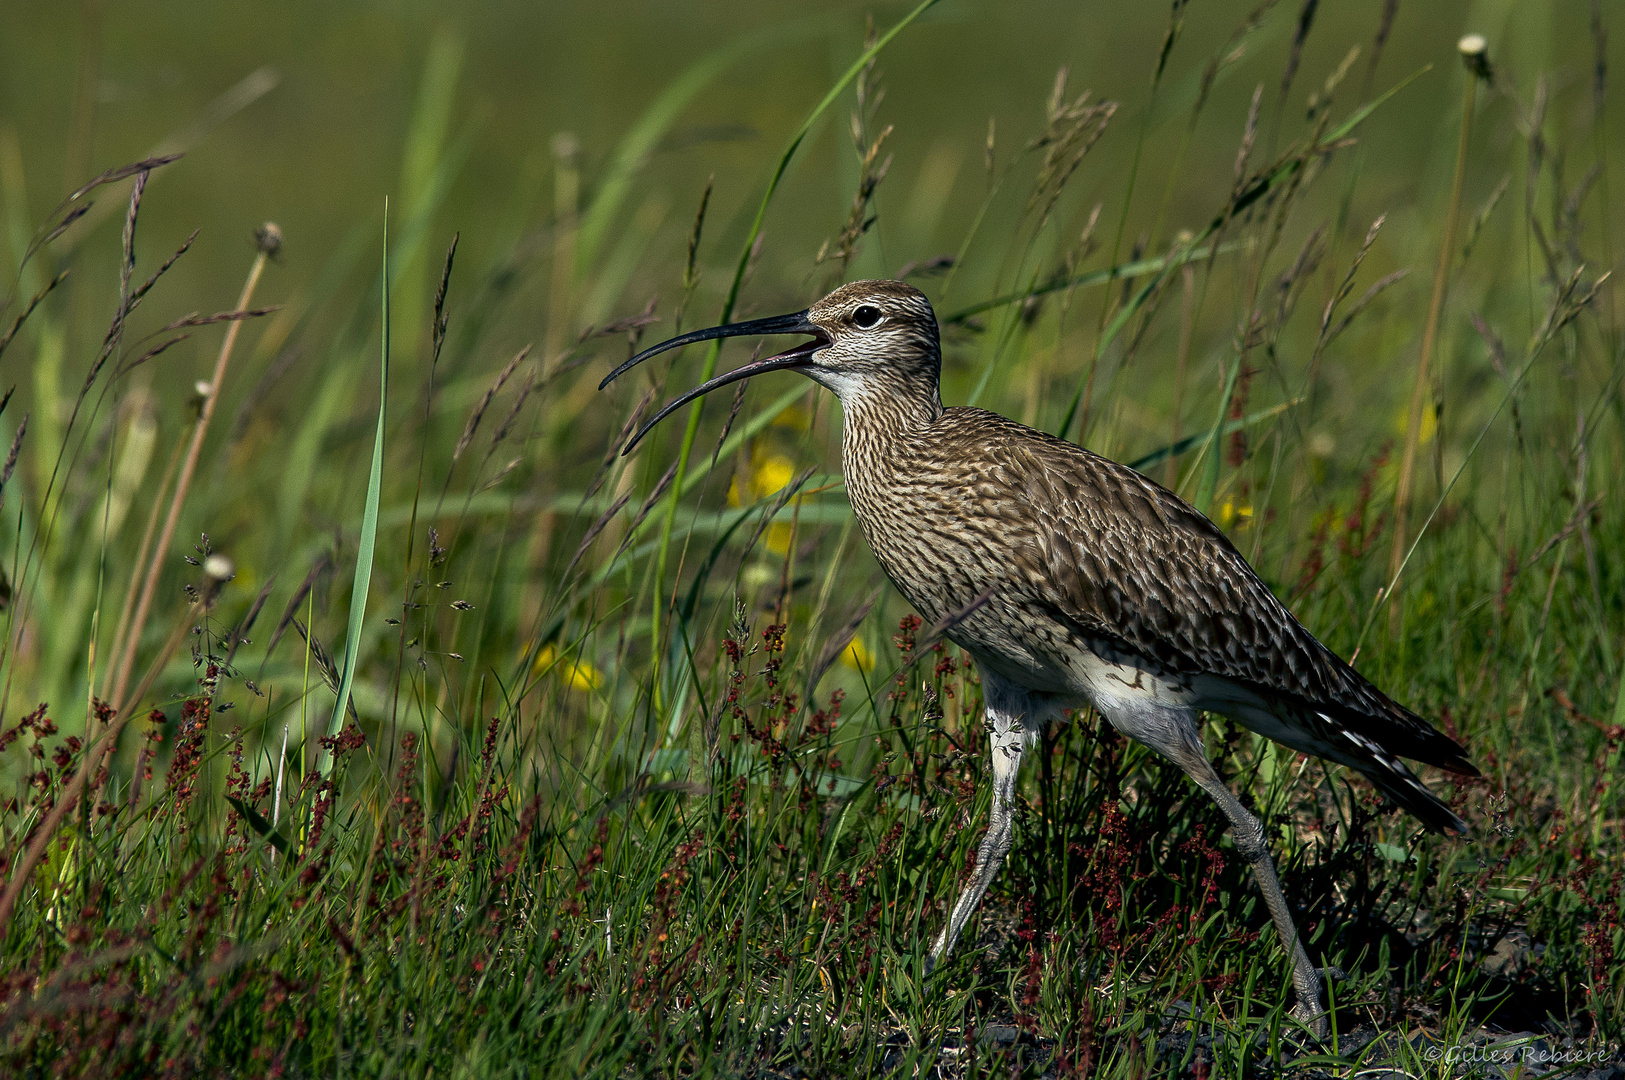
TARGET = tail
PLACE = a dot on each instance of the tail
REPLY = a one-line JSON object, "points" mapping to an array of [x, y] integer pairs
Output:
{"points": [[1381, 731], [1394, 778]]}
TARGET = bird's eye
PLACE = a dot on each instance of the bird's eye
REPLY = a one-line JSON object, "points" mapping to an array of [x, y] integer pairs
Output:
{"points": [[866, 316]]}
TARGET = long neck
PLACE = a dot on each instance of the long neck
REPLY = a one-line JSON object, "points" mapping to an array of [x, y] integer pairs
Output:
{"points": [[889, 410], [876, 418], [893, 409]]}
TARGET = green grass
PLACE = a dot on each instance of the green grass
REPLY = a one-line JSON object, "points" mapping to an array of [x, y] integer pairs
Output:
{"points": [[505, 755]]}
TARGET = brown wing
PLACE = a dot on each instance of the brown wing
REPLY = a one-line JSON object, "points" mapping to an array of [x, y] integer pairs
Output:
{"points": [[1120, 555]]}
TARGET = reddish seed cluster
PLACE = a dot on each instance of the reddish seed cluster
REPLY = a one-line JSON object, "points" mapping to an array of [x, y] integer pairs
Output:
{"points": [[35, 721], [66, 753], [944, 667], [1508, 573], [858, 936], [1104, 877], [1359, 533], [1210, 859], [1598, 939], [315, 858], [187, 757], [513, 852], [1075, 1057], [1032, 978], [237, 781], [736, 806], [488, 746], [325, 792], [904, 638], [449, 848], [820, 725], [149, 750], [1314, 563], [1237, 455], [647, 988], [42, 728], [410, 836], [736, 682], [205, 911], [779, 706], [824, 720], [888, 842], [905, 642], [492, 795], [346, 741], [773, 646]]}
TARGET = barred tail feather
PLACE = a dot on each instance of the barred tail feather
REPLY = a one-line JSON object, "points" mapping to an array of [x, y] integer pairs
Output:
{"points": [[1410, 793], [1394, 779]]}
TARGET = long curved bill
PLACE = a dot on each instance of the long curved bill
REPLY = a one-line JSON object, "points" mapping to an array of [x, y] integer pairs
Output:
{"points": [[799, 357]]}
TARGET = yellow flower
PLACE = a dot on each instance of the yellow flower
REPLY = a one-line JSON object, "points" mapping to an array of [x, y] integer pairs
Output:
{"points": [[1425, 431], [768, 473], [577, 674], [778, 537], [1232, 512], [857, 656], [772, 475]]}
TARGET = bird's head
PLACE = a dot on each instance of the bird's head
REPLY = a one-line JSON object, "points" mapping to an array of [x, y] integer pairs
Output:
{"points": [[869, 342]]}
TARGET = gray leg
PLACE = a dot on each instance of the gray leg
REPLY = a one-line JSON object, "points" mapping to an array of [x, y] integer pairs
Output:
{"points": [[1172, 731], [1008, 734], [1249, 837]]}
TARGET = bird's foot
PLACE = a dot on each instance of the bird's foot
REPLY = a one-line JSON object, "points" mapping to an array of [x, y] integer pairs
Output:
{"points": [[1309, 1013], [1313, 1018]]}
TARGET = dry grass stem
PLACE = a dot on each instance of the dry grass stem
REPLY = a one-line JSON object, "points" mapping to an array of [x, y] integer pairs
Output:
{"points": [[125, 658]]}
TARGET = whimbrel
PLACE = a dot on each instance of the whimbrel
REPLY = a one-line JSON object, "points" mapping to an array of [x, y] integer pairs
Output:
{"points": [[1097, 586]]}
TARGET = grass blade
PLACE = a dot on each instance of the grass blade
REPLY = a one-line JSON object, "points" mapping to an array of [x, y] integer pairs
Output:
{"points": [[639, 143], [1212, 448], [369, 525], [1174, 449], [258, 823]]}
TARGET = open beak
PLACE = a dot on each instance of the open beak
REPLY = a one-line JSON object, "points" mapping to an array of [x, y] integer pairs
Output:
{"points": [[798, 357]]}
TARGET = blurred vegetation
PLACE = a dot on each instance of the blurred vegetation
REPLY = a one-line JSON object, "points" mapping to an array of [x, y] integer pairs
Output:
{"points": [[636, 765]]}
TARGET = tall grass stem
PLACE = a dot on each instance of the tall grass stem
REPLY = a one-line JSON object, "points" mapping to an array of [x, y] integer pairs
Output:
{"points": [[270, 240], [1430, 336]]}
